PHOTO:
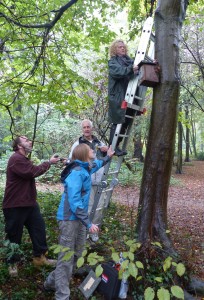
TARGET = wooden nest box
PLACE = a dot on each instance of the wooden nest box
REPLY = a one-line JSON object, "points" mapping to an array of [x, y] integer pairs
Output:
{"points": [[148, 73]]}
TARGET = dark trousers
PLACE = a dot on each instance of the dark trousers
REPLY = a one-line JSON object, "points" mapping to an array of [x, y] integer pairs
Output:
{"points": [[30, 217], [123, 128]]}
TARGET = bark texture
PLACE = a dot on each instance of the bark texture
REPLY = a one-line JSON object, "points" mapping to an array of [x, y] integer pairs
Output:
{"points": [[152, 217]]}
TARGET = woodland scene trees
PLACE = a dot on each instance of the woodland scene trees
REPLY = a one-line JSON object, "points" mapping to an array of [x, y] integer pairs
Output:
{"points": [[53, 58]]}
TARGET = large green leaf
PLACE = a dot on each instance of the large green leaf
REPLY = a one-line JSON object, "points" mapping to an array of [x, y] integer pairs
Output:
{"points": [[163, 294], [177, 292], [180, 269], [149, 294], [99, 271], [80, 262], [132, 269]]}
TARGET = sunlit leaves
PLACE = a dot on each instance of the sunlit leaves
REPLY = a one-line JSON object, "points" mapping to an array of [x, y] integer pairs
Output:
{"points": [[158, 279], [47, 66], [133, 271], [115, 257], [180, 269], [80, 262], [167, 263], [139, 264], [68, 256], [98, 271], [177, 292], [94, 258], [149, 294], [163, 294]]}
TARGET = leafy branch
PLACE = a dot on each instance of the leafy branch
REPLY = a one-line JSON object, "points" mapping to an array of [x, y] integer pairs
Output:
{"points": [[45, 25]]}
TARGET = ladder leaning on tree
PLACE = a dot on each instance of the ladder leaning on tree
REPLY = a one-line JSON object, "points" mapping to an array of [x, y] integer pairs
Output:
{"points": [[134, 99]]}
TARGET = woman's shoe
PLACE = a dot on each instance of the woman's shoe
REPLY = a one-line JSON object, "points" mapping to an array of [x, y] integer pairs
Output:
{"points": [[119, 152]]}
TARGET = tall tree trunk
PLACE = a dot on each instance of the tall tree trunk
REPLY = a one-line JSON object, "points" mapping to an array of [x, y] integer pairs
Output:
{"points": [[138, 145], [180, 148], [152, 216], [193, 136], [187, 157]]}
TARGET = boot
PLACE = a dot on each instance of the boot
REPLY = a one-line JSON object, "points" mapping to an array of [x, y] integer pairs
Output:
{"points": [[42, 260], [47, 288], [13, 270], [119, 152]]}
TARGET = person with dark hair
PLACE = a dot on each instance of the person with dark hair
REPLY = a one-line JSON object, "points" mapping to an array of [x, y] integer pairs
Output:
{"points": [[73, 217], [20, 205], [121, 68]]}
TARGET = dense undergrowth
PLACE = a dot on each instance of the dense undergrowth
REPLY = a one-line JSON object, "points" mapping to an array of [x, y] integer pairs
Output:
{"points": [[117, 229]]}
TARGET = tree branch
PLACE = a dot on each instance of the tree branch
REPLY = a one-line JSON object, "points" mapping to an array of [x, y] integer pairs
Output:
{"points": [[45, 25], [192, 95]]}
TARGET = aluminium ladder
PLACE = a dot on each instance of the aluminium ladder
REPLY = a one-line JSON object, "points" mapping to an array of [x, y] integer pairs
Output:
{"points": [[134, 93]]}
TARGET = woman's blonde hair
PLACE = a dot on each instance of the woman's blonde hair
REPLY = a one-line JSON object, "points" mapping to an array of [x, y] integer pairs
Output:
{"points": [[113, 47], [81, 152]]}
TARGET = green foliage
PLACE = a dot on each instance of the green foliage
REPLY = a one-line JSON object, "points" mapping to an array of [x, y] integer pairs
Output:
{"points": [[175, 181], [26, 293], [56, 134], [4, 160], [3, 275], [154, 277], [94, 258], [9, 249], [148, 274], [149, 293], [200, 156], [177, 292], [194, 7], [133, 176], [40, 64], [149, 271]]}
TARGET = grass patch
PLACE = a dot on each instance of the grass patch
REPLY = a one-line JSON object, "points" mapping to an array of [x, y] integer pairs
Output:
{"points": [[175, 181]]}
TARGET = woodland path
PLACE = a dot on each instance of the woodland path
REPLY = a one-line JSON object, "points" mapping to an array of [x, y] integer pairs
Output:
{"points": [[185, 212]]}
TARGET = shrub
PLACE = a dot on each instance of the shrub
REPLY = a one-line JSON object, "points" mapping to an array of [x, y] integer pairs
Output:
{"points": [[200, 156]]}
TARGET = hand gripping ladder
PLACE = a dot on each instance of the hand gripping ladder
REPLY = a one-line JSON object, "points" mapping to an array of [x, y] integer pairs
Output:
{"points": [[134, 99]]}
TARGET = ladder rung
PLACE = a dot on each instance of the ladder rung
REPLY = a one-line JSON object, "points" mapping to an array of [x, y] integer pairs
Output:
{"points": [[152, 37], [130, 117], [123, 135], [114, 172], [134, 106], [148, 58], [108, 190], [99, 208], [138, 98]]}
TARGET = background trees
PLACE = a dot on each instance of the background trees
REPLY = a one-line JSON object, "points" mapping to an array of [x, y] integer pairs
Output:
{"points": [[53, 58], [45, 48]]}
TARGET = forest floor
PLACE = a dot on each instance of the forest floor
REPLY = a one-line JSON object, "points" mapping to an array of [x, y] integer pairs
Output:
{"points": [[185, 212], [186, 224]]}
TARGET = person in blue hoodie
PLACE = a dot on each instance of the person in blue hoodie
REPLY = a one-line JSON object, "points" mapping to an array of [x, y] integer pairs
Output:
{"points": [[72, 215]]}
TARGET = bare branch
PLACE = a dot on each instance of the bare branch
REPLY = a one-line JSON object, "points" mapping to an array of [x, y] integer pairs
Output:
{"points": [[192, 95]]}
